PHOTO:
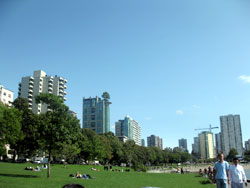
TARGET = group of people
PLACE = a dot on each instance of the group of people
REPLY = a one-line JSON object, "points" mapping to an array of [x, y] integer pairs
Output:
{"points": [[224, 174]]}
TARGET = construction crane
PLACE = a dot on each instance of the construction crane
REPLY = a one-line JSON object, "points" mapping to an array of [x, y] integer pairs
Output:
{"points": [[210, 128]]}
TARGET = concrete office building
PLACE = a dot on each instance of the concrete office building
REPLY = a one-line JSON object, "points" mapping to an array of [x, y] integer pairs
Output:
{"points": [[231, 135], [247, 145], [31, 86], [6, 96], [154, 141], [218, 143], [129, 128], [196, 146], [96, 114], [183, 144], [143, 142], [206, 145]]}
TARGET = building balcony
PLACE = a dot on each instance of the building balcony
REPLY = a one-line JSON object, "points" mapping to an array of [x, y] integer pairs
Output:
{"points": [[20, 85], [65, 93], [65, 87], [19, 94], [30, 95], [30, 99], [65, 80], [50, 84]]}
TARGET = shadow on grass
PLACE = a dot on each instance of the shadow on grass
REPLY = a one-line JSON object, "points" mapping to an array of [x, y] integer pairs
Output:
{"points": [[204, 182], [18, 175]]}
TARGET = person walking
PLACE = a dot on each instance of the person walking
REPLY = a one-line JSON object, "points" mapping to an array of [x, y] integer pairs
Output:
{"points": [[237, 175], [221, 173]]}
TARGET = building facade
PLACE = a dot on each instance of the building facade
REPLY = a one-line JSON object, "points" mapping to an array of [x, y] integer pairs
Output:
{"points": [[6, 96], [231, 135], [129, 128], [31, 86], [96, 114], [155, 141], [206, 145], [143, 142], [218, 143], [247, 145], [183, 144], [196, 146]]}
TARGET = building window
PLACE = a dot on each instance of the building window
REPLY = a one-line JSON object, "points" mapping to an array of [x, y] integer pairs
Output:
{"points": [[4, 94], [92, 110], [92, 117], [92, 124], [9, 95]]}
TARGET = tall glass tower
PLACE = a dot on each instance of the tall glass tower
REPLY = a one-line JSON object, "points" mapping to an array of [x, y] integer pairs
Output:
{"points": [[96, 114]]}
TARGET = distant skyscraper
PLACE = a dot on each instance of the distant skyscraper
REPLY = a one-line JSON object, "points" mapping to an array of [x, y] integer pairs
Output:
{"points": [[231, 135], [218, 143], [196, 145], [247, 145], [6, 96], [142, 142], [32, 86], [183, 144], [96, 114], [206, 145], [154, 141], [129, 128]]}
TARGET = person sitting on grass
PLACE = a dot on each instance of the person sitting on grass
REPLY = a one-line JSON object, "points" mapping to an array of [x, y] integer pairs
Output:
{"points": [[73, 186]]}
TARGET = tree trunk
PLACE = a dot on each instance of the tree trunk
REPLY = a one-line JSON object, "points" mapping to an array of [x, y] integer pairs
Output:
{"points": [[48, 172], [14, 156]]}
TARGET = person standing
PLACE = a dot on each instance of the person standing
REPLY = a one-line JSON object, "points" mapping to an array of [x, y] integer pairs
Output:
{"points": [[221, 173], [237, 175]]}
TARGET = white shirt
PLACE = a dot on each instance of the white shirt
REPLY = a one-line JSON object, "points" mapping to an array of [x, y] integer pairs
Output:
{"points": [[237, 174]]}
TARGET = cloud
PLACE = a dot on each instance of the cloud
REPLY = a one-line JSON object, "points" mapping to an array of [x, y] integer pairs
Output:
{"points": [[244, 78], [179, 112], [148, 118], [196, 106]]}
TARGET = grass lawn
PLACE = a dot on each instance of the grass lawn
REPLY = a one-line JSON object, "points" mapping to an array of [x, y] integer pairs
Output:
{"points": [[14, 176]]}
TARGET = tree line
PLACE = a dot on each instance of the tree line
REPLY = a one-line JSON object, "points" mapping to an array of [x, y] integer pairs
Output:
{"points": [[58, 134]]}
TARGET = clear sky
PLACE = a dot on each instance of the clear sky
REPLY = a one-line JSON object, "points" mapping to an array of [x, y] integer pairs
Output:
{"points": [[172, 65]]}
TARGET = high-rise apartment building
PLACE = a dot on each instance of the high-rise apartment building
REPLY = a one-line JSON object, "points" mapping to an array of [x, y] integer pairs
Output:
{"points": [[206, 145], [155, 141], [247, 145], [143, 142], [231, 135], [6, 96], [129, 128], [96, 113], [218, 143], [31, 86], [183, 144]]}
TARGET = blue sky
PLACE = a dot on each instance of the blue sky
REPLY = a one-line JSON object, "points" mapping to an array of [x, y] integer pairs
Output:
{"points": [[172, 65]]}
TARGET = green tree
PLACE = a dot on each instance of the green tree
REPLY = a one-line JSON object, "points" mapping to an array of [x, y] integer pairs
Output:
{"points": [[232, 154], [247, 155], [185, 156], [10, 126], [57, 125], [116, 148], [29, 145], [91, 146]]}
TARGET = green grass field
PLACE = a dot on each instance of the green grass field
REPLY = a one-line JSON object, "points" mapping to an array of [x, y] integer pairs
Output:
{"points": [[14, 176]]}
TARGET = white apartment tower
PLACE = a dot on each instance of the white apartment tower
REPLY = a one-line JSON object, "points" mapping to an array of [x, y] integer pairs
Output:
{"points": [[6, 96], [231, 135], [32, 86]]}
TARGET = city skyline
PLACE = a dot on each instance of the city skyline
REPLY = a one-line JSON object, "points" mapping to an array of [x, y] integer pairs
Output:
{"points": [[173, 66]]}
